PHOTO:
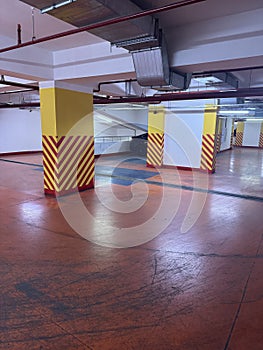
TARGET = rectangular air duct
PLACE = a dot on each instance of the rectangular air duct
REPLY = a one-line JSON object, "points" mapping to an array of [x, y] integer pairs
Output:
{"points": [[152, 69]]}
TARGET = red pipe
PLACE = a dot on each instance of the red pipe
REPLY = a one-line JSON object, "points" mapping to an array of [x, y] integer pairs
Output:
{"points": [[181, 96], [103, 24]]}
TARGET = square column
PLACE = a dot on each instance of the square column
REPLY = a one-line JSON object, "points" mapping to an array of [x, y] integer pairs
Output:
{"points": [[240, 134], [155, 145], [260, 144], [67, 138], [209, 150]]}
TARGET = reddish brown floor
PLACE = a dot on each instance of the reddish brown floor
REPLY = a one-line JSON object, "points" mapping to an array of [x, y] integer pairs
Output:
{"points": [[199, 290]]}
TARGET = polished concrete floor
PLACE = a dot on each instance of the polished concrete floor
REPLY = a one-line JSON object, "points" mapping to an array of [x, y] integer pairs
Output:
{"points": [[196, 286]]}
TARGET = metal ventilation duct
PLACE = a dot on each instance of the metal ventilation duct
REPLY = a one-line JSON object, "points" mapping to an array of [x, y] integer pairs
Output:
{"points": [[141, 36], [221, 79], [152, 68]]}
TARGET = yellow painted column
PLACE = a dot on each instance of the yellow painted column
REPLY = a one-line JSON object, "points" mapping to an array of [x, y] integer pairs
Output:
{"points": [[208, 155], [239, 134], [67, 138], [260, 144], [155, 146]]}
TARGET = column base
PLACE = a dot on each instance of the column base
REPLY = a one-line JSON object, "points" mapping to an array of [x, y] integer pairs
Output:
{"points": [[54, 193]]}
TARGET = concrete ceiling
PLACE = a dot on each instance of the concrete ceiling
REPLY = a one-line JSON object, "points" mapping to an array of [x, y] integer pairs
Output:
{"points": [[186, 28], [14, 12], [83, 12], [199, 12]]}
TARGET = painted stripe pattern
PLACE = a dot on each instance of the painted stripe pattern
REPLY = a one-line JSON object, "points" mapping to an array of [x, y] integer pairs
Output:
{"points": [[239, 138], [260, 144], [68, 162], [208, 153], [155, 149]]}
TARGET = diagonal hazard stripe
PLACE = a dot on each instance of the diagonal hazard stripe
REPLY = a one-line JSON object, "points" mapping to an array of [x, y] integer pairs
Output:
{"points": [[208, 154], [89, 177], [209, 145], [86, 166], [49, 161], [90, 146], [50, 150], [157, 154], [59, 142], [64, 142], [76, 154], [71, 158], [88, 154], [210, 137], [153, 159], [208, 165], [239, 139], [156, 138], [155, 150], [70, 170], [89, 166], [72, 145], [208, 142]]}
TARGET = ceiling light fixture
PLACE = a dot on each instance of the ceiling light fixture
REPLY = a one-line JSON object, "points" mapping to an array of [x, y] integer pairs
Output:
{"points": [[234, 112], [55, 6]]}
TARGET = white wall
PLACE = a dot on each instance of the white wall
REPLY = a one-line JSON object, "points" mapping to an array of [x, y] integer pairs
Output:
{"points": [[136, 117], [183, 139], [20, 130], [111, 147], [184, 123], [226, 133], [251, 134], [133, 120]]}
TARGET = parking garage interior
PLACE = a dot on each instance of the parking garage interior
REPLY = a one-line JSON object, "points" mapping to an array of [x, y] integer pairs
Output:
{"points": [[131, 157]]}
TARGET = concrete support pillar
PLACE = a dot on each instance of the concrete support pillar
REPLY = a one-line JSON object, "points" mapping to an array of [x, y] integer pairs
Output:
{"points": [[68, 144], [208, 155], [261, 137], [240, 134], [155, 147]]}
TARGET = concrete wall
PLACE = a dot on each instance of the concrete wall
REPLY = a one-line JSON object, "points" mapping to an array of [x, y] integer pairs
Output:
{"points": [[111, 147], [184, 122], [251, 134], [20, 130], [226, 133], [183, 139], [108, 121]]}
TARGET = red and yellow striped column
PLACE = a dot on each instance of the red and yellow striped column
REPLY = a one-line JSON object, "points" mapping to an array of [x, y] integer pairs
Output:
{"points": [[239, 134], [208, 154], [155, 147], [68, 144], [260, 144]]}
